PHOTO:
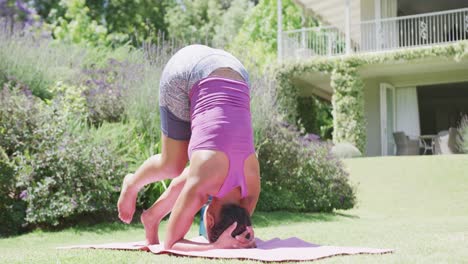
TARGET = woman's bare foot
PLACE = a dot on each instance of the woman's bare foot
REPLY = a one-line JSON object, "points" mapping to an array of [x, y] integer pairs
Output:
{"points": [[127, 200], [151, 225]]}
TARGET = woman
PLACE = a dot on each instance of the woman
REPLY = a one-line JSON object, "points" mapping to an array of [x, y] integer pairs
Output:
{"points": [[205, 118]]}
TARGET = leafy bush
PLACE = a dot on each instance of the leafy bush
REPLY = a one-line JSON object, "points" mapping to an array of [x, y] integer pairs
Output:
{"points": [[133, 147], [72, 100], [67, 178], [49, 174], [462, 140], [77, 26], [300, 175], [104, 94], [19, 115], [12, 208], [298, 172]]}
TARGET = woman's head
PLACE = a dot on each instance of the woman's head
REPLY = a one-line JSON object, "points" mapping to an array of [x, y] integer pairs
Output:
{"points": [[217, 222]]}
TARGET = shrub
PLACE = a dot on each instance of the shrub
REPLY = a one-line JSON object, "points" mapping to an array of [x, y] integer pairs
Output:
{"points": [[298, 172], [19, 115], [300, 175], [71, 99], [462, 140], [133, 147], [12, 208], [68, 178], [104, 94], [19, 118], [51, 175]]}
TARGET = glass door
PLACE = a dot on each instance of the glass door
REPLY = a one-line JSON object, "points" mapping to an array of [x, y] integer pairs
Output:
{"points": [[387, 118]]}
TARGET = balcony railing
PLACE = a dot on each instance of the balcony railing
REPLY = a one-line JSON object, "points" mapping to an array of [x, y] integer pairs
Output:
{"points": [[378, 35]]}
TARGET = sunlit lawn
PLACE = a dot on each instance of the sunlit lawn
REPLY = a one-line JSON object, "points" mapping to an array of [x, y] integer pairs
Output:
{"points": [[416, 205]]}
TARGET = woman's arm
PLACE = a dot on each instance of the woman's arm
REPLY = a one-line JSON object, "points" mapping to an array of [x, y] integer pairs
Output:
{"points": [[224, 241], [163, 206], [187, 205]]}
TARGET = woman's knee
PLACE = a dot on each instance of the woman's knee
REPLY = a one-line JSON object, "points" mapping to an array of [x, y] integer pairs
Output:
{"points": [[171, 167]]}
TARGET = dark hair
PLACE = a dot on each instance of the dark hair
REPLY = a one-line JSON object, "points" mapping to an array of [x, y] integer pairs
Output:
{"points": [[229, 214]]}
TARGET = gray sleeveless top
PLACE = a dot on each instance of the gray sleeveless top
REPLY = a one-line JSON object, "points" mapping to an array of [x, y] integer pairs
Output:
{"points": [[186, 67]]}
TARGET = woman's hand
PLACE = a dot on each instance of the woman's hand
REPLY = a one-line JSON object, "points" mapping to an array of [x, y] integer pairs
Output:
{"points": [[244, 240]]}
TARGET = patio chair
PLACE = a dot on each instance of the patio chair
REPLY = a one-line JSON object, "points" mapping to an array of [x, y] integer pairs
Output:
{"points": [[405, 145]]}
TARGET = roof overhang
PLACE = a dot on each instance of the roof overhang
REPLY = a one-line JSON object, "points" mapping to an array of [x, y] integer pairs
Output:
{"points": [[402, 73]]}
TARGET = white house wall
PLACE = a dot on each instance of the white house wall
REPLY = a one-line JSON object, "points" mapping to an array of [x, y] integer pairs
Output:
{"points": [[372, 114], [367, 10]]}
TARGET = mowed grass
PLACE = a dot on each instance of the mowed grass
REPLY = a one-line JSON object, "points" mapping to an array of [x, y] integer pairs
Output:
{"points": [[416, 205]]}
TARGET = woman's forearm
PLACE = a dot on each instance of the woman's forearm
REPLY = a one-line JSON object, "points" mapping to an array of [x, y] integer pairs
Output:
{"points": [[165, 202], [187, 245]]}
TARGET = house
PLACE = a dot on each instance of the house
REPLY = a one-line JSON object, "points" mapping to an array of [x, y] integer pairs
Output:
{"points": [[420, 95]]}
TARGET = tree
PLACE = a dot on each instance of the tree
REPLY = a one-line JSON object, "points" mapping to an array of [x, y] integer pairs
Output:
{"points": [[258, 35], [141, 20], [194, 20], [129, 20], [231, 21], [76, 26]]}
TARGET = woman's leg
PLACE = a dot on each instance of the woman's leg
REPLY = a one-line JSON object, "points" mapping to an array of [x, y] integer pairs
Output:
{"points": [[152, 217], [167, 165]]}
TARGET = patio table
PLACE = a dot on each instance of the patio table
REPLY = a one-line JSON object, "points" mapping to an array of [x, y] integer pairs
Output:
{"points": [[428, 142]]}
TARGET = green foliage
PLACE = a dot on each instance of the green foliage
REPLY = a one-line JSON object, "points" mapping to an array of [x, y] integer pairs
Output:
{"points": [[141, 20], [133, 146], [324, 118], [124, 20], [59, 175], [299, 175], [307, 111], [462, 140], [19, 119], [348, 106], [315, 116], [32, 67], [76, 26], [12, 208], [195, 20], [104, 95], [67, 178], [231, 22], [287, 93], [258, 35], [72, 102]]}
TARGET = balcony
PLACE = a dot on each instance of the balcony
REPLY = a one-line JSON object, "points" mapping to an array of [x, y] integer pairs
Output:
{"points": [[377, 35]]}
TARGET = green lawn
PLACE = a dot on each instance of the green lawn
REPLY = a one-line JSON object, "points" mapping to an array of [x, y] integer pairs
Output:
{"points": [[417, 205]]}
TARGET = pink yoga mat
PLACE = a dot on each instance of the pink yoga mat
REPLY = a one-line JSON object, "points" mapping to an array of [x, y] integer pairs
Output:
{"points": [[291, 249]]}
